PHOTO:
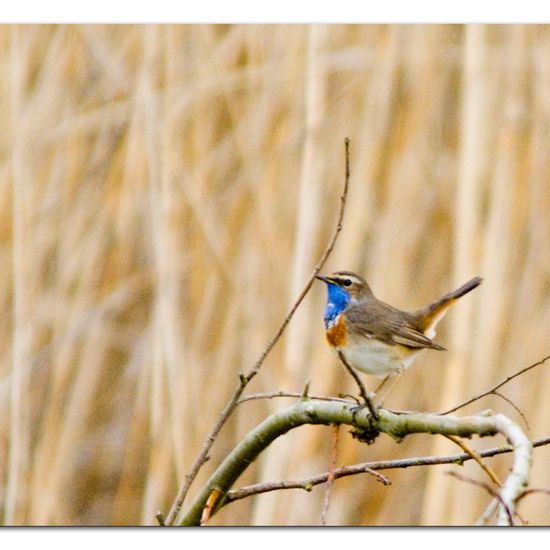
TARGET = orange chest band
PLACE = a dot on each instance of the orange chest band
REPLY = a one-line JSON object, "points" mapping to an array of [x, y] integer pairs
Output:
{"points": [[337, 334]]}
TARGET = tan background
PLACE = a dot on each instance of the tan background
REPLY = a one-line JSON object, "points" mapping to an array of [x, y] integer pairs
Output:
{"points": [[165, 192]]}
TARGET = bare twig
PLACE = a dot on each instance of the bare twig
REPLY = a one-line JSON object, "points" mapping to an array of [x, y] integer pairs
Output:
{"points": [[489, 489], [271, 395], [352, 397], [359, 382], [305, 484], [330, 478], [514, 406], [466, 448], [499, 385], [245, 379], [371, 468], [528, 492]]}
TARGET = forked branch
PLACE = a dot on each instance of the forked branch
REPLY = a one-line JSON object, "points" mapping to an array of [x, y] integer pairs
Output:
{"points": [[396, 425], [373, 469], [493, 390]]}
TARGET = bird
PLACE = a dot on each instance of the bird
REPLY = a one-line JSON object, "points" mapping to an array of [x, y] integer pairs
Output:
{"points": [[374, 337]]}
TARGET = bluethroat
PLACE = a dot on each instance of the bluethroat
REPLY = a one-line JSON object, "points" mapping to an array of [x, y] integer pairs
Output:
{"points": [[374, 337]]}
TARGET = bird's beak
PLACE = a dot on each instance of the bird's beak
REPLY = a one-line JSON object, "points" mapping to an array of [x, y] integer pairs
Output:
{"points": [[324, 279]]}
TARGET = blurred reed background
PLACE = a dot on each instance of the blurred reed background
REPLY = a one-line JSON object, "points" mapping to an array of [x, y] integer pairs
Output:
{"points": [[165, 193]]}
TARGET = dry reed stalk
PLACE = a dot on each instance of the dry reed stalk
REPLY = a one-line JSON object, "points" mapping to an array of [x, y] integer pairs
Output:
{"points": [[473, 128], [22, 245], [407, 248], [498, 244], [540, 160], [499, 237], [167, 339], [377, 97], [307, 224]]}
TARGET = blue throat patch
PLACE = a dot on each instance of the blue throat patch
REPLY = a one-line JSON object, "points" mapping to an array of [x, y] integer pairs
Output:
{"points": [[337, 301]]}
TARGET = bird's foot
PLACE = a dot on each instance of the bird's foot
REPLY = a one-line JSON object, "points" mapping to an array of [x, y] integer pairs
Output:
{"points": [[368, 402], [365, 404], [365, 434], [349, 396]]}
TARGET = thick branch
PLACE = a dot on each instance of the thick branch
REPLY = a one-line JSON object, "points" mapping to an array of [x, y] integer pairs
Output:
{"points": [[397, 426], [517, 480]]}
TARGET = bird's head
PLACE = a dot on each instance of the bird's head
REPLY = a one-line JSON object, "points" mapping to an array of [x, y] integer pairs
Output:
{"points": [[343, 287], [348, 282]]}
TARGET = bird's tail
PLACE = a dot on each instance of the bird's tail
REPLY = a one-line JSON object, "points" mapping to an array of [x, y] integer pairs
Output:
{"points": [[432, 314]]}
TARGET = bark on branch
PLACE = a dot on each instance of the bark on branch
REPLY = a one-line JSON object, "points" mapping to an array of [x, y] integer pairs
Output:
{"points": [[395, 425]]}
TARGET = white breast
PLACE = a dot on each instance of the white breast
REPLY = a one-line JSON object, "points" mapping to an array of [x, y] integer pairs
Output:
{"points": [[379, 359]]}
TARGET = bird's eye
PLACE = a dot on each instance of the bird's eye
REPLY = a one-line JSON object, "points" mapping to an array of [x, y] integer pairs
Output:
{"points": [[346, 282]]}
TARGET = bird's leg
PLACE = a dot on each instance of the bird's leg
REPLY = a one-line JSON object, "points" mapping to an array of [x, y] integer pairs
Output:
{"points": [[381, 385], [395, 379], [362, 389]]}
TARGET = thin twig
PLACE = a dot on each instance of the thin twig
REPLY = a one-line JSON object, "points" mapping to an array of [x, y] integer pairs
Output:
{"points": [[489, 489], [532, 491], [371, 468], [271, 395], [245, 379], [305, 484], [330, 478], [457, 441], [514, 406], [499, 385], [359, 382]]}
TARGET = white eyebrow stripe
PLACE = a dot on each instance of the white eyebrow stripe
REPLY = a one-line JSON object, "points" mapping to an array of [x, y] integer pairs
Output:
{"points": [[342, 278]]}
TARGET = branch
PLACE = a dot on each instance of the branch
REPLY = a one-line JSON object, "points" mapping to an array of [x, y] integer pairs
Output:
{"points": [[359, 382], [397, 426], [494, 478], [371, 468], [271, 395], [487, 513], [533, 492], [499, 385], [505, 506], [245, 379], [305, 484], [514, 406], [210, 503]]}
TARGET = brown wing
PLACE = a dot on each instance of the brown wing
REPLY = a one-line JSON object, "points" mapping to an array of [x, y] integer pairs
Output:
{"points": [[410, 337], [391, 326]]}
